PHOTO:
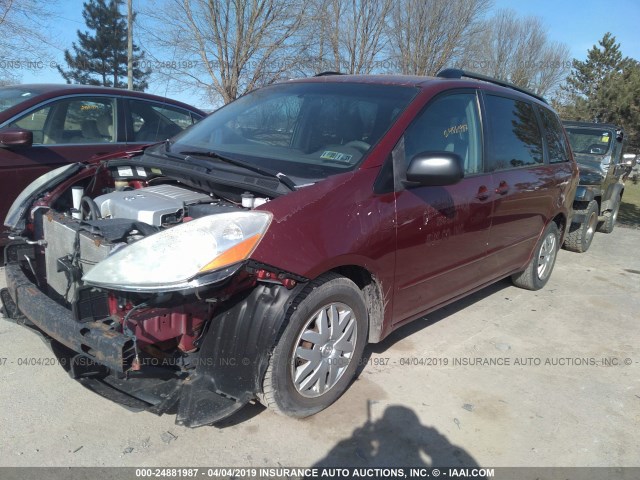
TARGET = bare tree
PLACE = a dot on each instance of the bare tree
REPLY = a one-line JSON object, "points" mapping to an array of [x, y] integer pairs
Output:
{"points": [[427, 35], [518, 50], [225, 47], [316, 47], [352, 33], [22, 37], [329, 23]]}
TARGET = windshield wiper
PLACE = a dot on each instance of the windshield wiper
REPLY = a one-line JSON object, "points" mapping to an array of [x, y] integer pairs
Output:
{"points": [[286, 181]]}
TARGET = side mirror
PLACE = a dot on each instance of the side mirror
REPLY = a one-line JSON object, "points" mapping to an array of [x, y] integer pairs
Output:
{"points": [[16, 138], [629, 159], [434, 169]]}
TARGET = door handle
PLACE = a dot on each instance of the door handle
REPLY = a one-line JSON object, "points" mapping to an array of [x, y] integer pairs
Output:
{"points": [[503, 188], [483, 193]]}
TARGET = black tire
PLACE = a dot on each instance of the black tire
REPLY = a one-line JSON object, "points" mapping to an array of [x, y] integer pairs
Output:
{"points": [[610, 217], [580, 235], [532, 277], [280, 392]]}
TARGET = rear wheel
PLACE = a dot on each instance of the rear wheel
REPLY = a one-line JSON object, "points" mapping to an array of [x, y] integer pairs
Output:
{"points": [[539, 269], [579, 237], [317, 356], [610, 218]]}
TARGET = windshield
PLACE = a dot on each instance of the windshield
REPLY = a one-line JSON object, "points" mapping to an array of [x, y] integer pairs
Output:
{"points": [[305, 130], [590, 141], [11, 96]]}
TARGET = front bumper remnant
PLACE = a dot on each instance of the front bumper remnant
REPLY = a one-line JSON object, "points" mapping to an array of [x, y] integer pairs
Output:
{"points": [[228, 373], [93, 339]]}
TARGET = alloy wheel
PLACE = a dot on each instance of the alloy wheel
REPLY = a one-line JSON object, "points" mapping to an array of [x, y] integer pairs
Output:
{"points": [[546, 256], [324, 349]]}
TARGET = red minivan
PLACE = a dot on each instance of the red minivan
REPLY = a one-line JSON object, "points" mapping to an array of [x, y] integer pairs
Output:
{"points": [[254, 255], [45, 126]]}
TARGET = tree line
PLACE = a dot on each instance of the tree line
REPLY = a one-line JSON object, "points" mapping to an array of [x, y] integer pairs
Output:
{"points": [[242, 45], [225, 48]]}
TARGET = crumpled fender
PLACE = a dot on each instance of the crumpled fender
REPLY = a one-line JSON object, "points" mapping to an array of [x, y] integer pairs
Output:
{"points": [[234, 354]]}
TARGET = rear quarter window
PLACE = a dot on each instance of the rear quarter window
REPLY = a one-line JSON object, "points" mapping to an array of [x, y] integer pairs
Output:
{"points": [[556, 140]]}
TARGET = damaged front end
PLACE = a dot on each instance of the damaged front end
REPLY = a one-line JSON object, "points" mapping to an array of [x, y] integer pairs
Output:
{"points": [[141, 282]]}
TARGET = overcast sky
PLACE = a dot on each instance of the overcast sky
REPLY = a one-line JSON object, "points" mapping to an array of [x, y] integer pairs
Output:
{"points": [[579, 24]]}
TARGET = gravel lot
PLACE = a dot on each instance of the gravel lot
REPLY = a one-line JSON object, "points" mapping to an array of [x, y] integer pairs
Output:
{"points": [[561, 406]]}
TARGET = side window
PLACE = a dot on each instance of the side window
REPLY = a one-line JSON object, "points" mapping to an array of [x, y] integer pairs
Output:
{"points": [[89, 121], [515, 139], [34, 121], [556, 141], [451, 124], [153, 122], [180, 117], [78, 120]]}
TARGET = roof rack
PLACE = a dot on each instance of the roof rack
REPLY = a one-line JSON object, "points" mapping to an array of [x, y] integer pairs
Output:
{"points": [[326, 74], [458, 73]]}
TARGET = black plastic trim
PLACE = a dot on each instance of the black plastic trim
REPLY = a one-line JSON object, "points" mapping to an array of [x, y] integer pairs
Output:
{"points": [[458, 73]]}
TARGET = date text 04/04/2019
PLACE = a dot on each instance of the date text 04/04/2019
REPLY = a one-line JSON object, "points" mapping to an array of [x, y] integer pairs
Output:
{"points": [[271, 472]]}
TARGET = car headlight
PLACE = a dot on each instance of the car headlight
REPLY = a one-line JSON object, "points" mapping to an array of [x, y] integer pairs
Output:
{"points": [[180, 257]]}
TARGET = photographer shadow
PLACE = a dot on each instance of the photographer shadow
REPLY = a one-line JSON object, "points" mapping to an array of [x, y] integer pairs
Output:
{"points": [[397, 439]]}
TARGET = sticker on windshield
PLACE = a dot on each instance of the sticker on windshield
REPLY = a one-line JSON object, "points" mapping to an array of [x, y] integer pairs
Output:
{"points": [[605, 137], [141, 171], [337, 156]]}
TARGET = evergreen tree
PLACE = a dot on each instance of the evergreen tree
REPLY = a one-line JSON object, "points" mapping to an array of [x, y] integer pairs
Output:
{"points": [[100, 58], [587, 77], [605, 88]]}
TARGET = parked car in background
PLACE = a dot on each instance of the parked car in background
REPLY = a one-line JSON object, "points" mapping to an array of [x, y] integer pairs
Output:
{"points": [[45, 126], [597, 148], [257, 253]]}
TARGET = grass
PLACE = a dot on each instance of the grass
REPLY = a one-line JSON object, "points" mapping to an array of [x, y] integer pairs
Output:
{"points": [[630, 207]]}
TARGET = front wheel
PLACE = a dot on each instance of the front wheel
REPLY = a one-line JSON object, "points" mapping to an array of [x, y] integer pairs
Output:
{"points": [[580, 235], [318, 354], [538, 270]]}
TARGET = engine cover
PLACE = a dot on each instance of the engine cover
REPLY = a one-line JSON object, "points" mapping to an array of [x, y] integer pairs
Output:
{"points": [[155, 205]]}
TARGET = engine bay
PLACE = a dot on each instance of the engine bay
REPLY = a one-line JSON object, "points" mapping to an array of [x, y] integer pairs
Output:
{"points": [[107, 209], [82, 228]]}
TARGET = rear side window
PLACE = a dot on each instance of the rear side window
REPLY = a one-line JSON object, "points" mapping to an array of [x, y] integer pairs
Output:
{"points": [[152, 122], [556, 142], [515, 139]]}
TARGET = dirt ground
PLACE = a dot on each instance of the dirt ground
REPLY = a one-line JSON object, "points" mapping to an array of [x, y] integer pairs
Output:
{"points": [[505, 377]]}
